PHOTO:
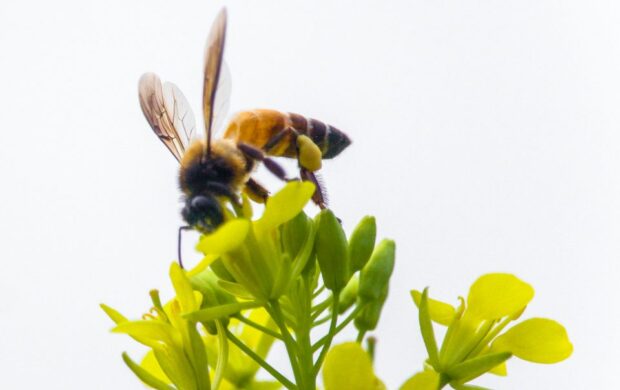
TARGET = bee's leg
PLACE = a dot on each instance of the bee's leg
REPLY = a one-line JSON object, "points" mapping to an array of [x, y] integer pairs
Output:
{"points": [[320, 195], [181, 229], [256, 191], [258, 155], [222, 190], [276, 139]]}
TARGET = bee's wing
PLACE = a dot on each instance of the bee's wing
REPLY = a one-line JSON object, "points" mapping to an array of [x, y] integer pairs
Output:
{"points": [[181, 113], [221, 106], [168, 113], [213, 63]]}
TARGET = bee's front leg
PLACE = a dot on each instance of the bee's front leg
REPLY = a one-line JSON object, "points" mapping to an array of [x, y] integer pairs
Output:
{"points": [[256, 191]]}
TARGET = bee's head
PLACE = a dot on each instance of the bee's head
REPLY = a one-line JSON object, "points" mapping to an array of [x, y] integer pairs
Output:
{"points": [[203, 212]]}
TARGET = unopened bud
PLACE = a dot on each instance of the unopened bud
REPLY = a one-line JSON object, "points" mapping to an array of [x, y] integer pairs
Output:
{"points": [[331, 251], [362, 242], [375, 275]]}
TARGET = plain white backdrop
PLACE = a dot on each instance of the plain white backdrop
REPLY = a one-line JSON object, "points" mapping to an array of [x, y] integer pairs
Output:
{"points": [[486, 138]]}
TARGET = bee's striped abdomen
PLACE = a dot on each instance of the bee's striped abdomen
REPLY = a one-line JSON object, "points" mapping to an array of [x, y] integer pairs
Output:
{"points": [[259, 127], [329, 139]]}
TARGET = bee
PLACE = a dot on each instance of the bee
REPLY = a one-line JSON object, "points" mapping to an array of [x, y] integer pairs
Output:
{"points": [[215, 170]]}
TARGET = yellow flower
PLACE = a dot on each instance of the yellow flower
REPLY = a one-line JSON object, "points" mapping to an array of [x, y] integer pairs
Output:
{"points": [[177, 353], [252, 252], [473, 343]]}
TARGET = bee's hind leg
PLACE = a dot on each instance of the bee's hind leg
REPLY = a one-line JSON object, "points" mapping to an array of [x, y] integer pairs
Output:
{"points": [[320, 195], [258, 155]]}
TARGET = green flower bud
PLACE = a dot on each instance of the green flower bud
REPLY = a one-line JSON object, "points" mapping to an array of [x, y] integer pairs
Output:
{"points": [[348, 295], [331, 251], [375, 275], [362, 242], [369, 316]]}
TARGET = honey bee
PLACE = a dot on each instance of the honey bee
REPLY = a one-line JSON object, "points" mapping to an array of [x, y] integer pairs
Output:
{"points": [[215, 170]]}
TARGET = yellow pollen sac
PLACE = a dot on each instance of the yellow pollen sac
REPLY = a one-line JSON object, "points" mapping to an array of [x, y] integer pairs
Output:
{"points": [[310, 156]]}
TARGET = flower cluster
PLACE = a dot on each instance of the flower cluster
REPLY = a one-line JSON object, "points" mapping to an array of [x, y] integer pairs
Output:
{"points": [[278, 278], [299, 281]]}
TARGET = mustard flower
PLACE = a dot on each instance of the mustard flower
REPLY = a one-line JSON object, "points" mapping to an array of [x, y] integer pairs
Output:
{"points": [[176, 345], [474, 343], [251, 251]]}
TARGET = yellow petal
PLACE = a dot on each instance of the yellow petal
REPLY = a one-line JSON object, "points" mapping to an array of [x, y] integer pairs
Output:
{"points": [[151, 333], [113, 314], [183, 289], [149, 363], [494, 296], [286, 204], [348, 366], [203, 264], [500, 370], [225, 238], [538, 340], [440, 312], [425, 380]]}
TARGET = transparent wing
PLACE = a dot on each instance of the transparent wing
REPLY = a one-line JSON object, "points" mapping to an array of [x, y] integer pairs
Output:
{"points": [[213, 61], [166, 119], [221, 106], [182, 115]]}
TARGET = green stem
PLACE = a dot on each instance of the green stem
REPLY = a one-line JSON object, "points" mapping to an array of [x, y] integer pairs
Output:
{"points": [[339, 328], [306, 356], [289, 342], [268, 367], [321, 321], [330, 335], [320, 308], [318, 292], [258, 326], [222, 358], [360, 336]]}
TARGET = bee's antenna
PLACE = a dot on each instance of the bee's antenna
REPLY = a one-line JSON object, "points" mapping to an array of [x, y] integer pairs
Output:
{"points": [[181, 228]]}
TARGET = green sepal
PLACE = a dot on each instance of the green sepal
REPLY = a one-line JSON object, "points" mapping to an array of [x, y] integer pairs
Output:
{"points": [[362, 243], [331, 251], [217, 312], [477, 366], [235, 289], [220, 270], [428, 334], [144, 375], [376, 274], [368, 318]]}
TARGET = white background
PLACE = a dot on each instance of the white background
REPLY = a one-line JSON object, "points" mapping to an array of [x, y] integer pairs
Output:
{"points": [[486, 138]]}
